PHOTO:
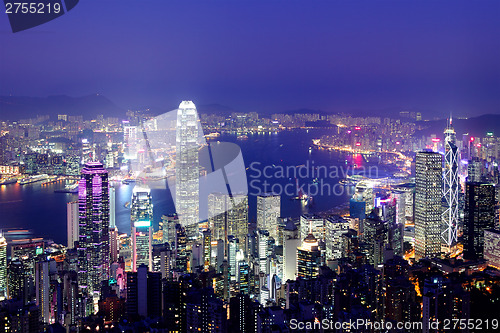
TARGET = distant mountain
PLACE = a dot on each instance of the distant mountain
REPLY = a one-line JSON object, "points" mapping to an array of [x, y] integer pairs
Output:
{"points": [[218, 109], [21, 107], [307, 111], [475, 126]]}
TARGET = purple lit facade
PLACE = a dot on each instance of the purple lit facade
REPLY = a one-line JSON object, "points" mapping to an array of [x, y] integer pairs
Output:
{"points": [[93, 245]]}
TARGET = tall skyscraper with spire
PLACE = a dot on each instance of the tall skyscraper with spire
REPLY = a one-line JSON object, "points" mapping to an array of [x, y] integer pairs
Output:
{"points": [[93, 243], [141, 217], [451, 186], [187, 170]]}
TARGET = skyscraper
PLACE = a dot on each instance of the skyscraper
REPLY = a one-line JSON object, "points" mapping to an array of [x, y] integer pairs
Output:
{"points": [[228, 216], [474, 170], [263, 240], [268, 211], [207, 249], [42, 285], [73, 223], [451, 185], [291, 242], [93, 244], [141, 218], [180, 249], [143, 293], [162, 260], [310, 223], [428, 195], [492, 247], [232, 251], [3, 267], [308, 258], [480, 205], [335, 226], [187, 170], [129, 140], [167, 226]]}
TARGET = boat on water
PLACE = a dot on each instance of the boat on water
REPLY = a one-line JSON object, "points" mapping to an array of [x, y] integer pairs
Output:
{"points": [[73, 188], [355, 178], [212, 135], [401, 175], [346, 182], [6, 181], [127, 204], [242, 137], [49, 180], [32, 179]]}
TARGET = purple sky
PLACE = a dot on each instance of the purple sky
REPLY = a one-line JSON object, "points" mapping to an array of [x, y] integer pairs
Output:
{"points": [[265, 55]]}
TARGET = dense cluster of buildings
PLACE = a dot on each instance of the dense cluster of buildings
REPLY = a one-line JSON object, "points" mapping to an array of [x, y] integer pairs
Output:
{"points": [[419, 252]]}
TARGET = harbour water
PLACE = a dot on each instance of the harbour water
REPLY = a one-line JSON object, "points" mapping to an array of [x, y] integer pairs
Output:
{"points": [[42, 211]]}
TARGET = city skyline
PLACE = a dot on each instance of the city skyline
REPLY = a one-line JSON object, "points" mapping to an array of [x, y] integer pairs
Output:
{"points": [[250, 166]]}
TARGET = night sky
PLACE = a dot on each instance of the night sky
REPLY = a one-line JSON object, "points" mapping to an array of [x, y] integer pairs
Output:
{"points": [[265, 55]]}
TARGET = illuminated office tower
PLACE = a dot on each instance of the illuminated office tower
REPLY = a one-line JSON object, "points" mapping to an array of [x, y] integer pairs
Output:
{"points": [[335, 226], [42, 285], [167, 225], [491, 251], [93, 244], [218, 254], [232, 251], [480, 206], [129, 141], [237, 217], [217, 217], [187, 169], [314, 224], [141, 218], [375, 236], [228, 216], [428, 195], [18, 281], [400, 197], [73, 223], [291, 242], [110, 160], [112, 207], [3, 267], [72, 164], [263, 240], [308, 258], [181, 252], [268, 212], [113, 230], [474, 170], [451, 185], [207, 249], [243, 277], [363, 192], [162, 260], [361, 203], [88, 153]]}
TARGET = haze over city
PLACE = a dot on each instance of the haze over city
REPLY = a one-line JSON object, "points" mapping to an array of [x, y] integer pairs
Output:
{"points": [[434, 57]]}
